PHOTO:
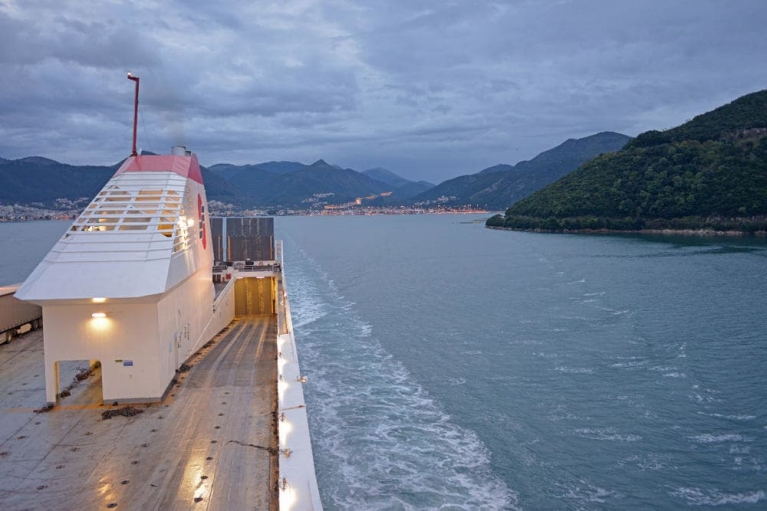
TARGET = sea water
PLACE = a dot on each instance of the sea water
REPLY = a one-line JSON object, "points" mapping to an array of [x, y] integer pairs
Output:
{"points": [[455, 367], [24, 244]]}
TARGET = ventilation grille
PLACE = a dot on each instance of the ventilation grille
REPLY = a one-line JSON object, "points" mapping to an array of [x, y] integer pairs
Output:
{"points": [[127, 205]]}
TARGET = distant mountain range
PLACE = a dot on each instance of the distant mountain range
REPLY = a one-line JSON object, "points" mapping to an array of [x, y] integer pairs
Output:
{"points": [[709, 173], [43, 182], [293, 185], [500, 186], [403, 189]]}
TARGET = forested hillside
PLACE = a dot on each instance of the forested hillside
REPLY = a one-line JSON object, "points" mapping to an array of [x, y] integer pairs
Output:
{"points": [[709, 173]]}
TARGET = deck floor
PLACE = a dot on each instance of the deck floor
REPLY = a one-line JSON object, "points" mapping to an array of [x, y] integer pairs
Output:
{"points": [[211, 444]]}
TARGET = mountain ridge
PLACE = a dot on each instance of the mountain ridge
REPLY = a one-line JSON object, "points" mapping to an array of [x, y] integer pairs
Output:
{"points": [[498, 187], [286, 184], [709, 173]]}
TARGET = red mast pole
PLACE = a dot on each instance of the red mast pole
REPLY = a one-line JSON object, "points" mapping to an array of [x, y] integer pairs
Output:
{"points": [[135, 113]]}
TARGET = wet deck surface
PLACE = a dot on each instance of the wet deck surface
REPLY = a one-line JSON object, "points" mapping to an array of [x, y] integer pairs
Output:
{"points": [[207, 446]]}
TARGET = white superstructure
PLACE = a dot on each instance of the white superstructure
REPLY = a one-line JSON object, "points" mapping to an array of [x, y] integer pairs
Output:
{"points": [[129, 284]]}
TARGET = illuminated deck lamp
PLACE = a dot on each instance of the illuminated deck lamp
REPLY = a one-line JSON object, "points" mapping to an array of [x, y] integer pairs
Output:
{"points": [[99, 315]]}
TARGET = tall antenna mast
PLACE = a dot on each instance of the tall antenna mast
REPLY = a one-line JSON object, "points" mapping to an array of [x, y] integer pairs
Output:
{"points": [[135, 113]]}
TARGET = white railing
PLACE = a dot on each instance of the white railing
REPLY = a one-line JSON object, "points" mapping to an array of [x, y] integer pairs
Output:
{"points": [[297, 480]]}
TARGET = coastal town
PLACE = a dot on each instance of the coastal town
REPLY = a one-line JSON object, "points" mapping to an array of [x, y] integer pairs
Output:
{"points": [[69, 210]]}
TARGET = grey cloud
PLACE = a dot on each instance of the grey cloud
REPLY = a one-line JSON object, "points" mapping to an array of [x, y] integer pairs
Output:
{"points": [[430, 89]]}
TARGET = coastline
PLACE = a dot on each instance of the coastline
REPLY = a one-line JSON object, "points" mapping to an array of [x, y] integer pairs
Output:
{"points": [[675, 232], [409, 212]]}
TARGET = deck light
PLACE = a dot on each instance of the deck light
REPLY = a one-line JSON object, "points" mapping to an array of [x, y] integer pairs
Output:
{"points": [[99, 315]]}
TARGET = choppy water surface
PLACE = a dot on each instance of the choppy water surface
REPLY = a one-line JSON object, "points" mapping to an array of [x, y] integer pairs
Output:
{"points": [[454, 367]]}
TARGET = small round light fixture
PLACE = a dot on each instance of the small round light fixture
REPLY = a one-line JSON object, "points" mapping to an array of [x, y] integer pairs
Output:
{"points": [[99, 315], [98, 300]]}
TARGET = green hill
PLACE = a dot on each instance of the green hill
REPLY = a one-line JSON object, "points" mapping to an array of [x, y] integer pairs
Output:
{"points": [[709, 173], [500, 186]]}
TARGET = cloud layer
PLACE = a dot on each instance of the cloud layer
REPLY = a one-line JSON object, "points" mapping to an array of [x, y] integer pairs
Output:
{"points": [[428, 89]]}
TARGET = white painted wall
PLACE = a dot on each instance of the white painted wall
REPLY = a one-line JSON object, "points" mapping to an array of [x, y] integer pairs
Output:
{"points": [[155, 336], [223, 314], [186, 321], [128, 334]]}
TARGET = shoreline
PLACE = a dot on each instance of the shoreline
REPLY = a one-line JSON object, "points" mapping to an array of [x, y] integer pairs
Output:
{"points": [[675, 232], [307, 213]]}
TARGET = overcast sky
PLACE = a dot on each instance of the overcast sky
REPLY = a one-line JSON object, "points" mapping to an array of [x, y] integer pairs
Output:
{"points": [[427, 89]]}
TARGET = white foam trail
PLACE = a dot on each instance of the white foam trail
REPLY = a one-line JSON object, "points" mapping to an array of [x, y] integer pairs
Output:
{"points": [[650, 462], [380, 441], [710, 439], [630, 365], [606, 434], [699, 497], [585, 492], [737, 417], [574, 370]]}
